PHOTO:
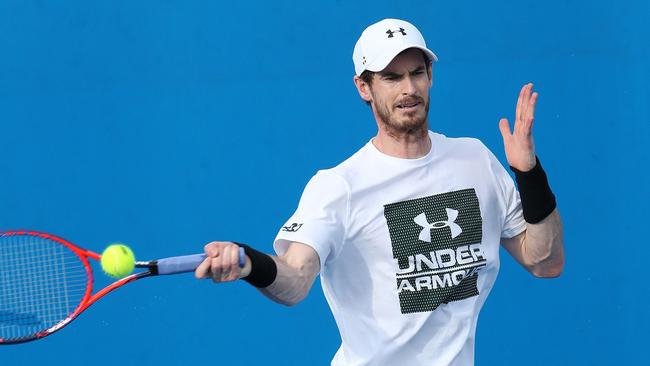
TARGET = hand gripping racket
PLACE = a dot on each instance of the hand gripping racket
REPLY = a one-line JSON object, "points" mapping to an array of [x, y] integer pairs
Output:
{"points": [[46, 282]]}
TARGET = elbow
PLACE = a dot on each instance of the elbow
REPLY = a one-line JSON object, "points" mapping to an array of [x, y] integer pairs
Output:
{"points": [[287, 303], [551, 264], [547, 273], [296, 295], [289, 297], [292, 301], [291, 304], [548, 270]]}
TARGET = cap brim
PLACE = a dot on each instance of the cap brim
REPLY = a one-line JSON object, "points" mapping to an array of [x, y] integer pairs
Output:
{"points": [[382, 61]]}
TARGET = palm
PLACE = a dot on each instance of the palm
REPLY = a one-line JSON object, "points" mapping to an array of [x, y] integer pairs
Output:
{"points": [[519, 145]]}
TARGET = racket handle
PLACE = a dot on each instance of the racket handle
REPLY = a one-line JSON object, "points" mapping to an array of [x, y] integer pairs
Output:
{"points": [[188, 263]]}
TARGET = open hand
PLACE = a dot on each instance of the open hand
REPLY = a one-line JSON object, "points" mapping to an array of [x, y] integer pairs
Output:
{"points": [[519, 145]]}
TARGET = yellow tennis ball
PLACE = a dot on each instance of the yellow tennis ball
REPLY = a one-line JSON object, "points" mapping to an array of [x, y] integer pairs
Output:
{"points": [[118, 260]]}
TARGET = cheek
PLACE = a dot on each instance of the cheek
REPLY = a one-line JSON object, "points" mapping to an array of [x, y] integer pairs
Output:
{"points": [[423, 83], [385, 103], [423, 90], [386, 96]]}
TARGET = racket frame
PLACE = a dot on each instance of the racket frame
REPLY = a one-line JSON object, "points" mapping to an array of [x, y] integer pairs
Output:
{"points": [[88, 298]]}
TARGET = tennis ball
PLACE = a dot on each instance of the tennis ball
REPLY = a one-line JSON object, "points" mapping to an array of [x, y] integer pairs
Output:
{"points": [[118, 260]]}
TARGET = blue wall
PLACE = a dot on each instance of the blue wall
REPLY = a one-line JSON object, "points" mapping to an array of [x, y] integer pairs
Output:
{"points": [[173, 123]]}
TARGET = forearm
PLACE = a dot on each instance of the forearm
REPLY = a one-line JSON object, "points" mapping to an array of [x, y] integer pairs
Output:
{"points": [[291, 284], [542, 247]]}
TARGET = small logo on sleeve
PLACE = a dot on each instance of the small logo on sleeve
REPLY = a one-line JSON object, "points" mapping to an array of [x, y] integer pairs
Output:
{"points": [[292, 228]]}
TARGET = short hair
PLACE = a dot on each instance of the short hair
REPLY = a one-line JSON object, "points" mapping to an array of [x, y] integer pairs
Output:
{"points": [[368, 75]]}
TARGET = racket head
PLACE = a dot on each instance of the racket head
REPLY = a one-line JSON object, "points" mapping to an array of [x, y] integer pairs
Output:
{"points": [[45, 282]]}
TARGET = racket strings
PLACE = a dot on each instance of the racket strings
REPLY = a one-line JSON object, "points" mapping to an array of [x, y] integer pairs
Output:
{"points": [[41, 283]]}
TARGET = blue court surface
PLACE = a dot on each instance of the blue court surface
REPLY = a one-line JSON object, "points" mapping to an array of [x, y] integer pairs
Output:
{"points": [[169, 124]]}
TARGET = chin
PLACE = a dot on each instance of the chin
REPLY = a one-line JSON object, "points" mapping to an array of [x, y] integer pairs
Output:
{"points": [[409, 126], [413, 122]]}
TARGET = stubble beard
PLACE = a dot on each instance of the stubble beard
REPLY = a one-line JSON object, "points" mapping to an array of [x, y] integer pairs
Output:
{"points": [[412, 126]]}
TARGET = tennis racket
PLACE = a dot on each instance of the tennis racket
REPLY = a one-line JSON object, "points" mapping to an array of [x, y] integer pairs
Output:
{"points": [[46, 282]]}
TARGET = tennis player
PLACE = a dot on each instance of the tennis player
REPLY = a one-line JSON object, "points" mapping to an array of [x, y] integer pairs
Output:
{"points": [[406, 232]]}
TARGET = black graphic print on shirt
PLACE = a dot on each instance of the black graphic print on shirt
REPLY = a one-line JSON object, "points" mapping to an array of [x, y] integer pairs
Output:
{"points": [[437, 248]]}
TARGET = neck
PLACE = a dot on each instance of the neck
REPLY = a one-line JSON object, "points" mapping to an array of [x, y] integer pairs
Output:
{"points": [[411, 144]]}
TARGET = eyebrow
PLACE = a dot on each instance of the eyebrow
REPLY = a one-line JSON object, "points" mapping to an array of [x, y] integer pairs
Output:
{"points": [[390, 74]]}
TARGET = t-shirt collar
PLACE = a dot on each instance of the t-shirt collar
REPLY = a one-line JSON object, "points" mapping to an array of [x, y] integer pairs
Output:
{"points": [[403, 161]]}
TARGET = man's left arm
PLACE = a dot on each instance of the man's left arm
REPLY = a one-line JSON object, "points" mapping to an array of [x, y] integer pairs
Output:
{"points": [[540, 248]]}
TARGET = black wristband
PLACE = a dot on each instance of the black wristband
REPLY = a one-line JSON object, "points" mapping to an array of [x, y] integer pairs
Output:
{"points": [[537, 200], [263, 268]]}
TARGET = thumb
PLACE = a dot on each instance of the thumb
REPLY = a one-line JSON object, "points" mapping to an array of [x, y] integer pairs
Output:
{"points": [[504, 127]]}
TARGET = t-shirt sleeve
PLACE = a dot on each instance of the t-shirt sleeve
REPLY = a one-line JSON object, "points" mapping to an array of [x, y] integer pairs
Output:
{"points": [[513, 223], [320, 219]]}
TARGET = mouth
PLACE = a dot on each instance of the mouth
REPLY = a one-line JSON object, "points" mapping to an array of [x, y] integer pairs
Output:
{"points": [[407, 106]]}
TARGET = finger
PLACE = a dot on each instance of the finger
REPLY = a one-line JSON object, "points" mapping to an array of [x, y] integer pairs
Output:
{"points": [[504, 127], [524, 102], [216, 268], [519, 102], [234, 263], [531, 107], [528, 118], [203, 270], [226, 265], [520, 128], [212, 249]]}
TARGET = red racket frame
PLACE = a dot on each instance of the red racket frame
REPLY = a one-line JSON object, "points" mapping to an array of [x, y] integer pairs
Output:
{"points": [[87, 299]]}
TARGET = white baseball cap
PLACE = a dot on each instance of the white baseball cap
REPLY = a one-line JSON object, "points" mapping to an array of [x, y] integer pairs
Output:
{"points": [[382, 41]]}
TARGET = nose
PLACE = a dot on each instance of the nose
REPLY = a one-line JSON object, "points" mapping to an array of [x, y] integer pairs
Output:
{"points": [[409, 85]]}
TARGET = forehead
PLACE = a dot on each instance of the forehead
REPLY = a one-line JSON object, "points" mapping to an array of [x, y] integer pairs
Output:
{"points": [[408, 59]]}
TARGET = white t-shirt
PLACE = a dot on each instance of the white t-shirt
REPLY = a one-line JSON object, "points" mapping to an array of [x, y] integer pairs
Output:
{"points": [[409, 248]]}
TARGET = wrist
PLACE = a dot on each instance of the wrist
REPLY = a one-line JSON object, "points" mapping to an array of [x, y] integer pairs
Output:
{"points": [[260, 269], [537, 199]]}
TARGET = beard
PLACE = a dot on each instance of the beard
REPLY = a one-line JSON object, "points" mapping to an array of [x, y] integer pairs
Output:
{"points": [[411, 123]]}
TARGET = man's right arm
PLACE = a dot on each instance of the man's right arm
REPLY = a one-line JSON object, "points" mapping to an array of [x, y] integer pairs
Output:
{"points": [[296, 270]]}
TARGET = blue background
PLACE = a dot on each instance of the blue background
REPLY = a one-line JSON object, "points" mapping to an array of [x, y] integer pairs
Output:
{"points": [[168, 124]]}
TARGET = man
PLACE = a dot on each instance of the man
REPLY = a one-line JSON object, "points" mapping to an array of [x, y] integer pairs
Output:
{"points": [[406, 232]]}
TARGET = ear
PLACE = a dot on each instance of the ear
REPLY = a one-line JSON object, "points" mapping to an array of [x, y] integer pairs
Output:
{"points": [[363, 88], [430, 72]]}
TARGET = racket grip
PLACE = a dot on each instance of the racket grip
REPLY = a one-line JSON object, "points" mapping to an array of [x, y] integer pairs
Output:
{"points": [[188, 263]]}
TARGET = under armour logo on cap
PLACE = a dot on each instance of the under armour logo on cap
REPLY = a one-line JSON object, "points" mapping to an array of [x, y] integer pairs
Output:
{"points": [[425, 234], [391, 32]]}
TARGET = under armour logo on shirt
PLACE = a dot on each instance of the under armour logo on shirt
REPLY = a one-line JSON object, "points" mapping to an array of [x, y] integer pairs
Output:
{"points": [[425, 234], [390, 32]]}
